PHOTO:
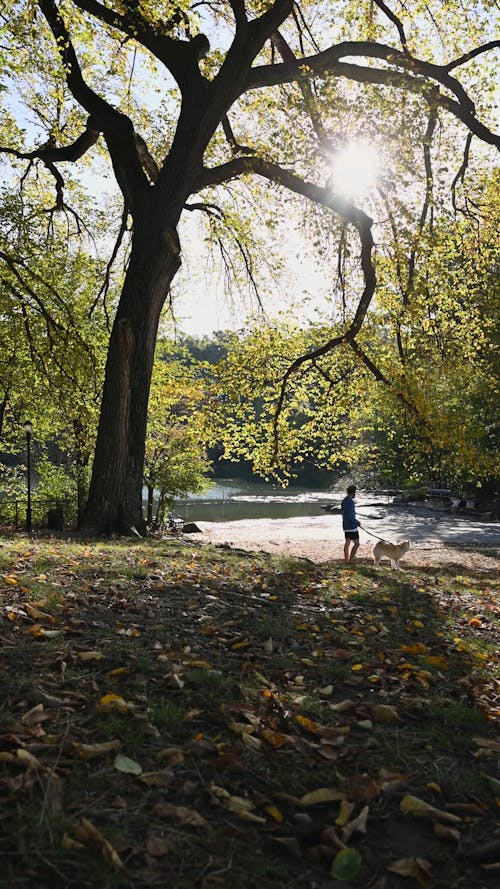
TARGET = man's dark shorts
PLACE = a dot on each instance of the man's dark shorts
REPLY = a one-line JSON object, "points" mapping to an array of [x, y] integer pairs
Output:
{"points": [[351, 535]]}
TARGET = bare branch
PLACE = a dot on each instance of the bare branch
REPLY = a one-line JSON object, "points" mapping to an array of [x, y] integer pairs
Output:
{"points": [[493, 44], [461, 172], [396, 391], [395, 21], [305, 87], [103, 292], [426, 204], [51, 153], [209, 209], [351, 214], [231, 140]]}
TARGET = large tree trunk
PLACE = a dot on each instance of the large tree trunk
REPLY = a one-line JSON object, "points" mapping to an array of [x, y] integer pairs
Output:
{"points": [[115, 495]]}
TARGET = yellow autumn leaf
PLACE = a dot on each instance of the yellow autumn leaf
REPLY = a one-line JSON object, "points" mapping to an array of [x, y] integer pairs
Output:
{"points": [[416, 648], [307, 723], [92, 751], [113, 702], [275, 739], [322, 795], [346, 810], [412, 805], [37, 614], [10, 579], [437, 660], [275, 814]]}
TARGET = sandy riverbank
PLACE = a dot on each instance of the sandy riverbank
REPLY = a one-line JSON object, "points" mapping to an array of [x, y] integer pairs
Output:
{"points": [[435, 541]]}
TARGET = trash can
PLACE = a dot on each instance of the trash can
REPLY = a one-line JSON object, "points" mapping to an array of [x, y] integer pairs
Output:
{"points": [[55, 519]]}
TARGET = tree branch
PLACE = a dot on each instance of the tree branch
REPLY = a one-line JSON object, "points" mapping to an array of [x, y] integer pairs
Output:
{"points": [[395, 21], [478, 50], [231, 139], [288, 57], [239, 12], [180, 57], [116, 127], [329, 61]]}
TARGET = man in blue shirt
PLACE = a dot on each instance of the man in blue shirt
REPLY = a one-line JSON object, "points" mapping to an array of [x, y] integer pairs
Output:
{"points": [[350, 524]]}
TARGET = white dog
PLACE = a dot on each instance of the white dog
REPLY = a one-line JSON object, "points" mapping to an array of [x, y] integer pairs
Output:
{"points": [[392, 551]]}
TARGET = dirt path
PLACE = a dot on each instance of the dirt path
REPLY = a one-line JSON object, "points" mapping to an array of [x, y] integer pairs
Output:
{"points": [[320, 539]]}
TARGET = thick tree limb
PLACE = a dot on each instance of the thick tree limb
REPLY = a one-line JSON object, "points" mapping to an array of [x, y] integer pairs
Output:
{"points": [[180, 57], [240, 16], [116, 127], [51, 153], [419, 76]]}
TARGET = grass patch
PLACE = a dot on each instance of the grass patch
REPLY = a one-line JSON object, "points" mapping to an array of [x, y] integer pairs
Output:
{"points": [[237, 684]]}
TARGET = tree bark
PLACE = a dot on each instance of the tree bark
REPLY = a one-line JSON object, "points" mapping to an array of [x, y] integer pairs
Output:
{"points": [[115, 494]]}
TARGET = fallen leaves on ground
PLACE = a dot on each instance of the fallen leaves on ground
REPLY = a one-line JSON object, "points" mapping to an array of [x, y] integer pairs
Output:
{"points": [[179, 711]]}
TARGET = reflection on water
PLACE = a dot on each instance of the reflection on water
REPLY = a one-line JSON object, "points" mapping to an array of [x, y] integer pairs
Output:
{"points": [[233, 499]]}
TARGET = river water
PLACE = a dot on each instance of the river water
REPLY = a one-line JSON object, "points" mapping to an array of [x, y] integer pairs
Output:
{"points": [[260, 508], [233, 499]]}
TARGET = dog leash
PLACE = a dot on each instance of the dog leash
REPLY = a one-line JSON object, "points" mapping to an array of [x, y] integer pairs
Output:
{"points": [[372, 535]]}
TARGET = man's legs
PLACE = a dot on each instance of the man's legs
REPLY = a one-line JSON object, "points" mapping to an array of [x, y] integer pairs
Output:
{"points": [[355, 547]]}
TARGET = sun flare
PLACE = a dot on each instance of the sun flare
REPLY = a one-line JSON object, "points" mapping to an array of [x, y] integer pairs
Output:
{"points": [[355, 169]]}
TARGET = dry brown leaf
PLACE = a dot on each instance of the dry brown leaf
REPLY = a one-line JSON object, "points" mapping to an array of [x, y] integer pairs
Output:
{"points": [[384, 713], [251, 742], [162, 778], [412, 805], [187, 817], [418, 868], [342, 706], [331, 838], [87, 834], [357, 824], [158, 846], [92, 751], [173, 756], [444, 832], [88, 656], [35, 715], [488, 744]]}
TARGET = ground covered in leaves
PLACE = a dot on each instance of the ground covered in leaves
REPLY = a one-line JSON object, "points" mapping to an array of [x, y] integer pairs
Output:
{"points": [[182, 715]]}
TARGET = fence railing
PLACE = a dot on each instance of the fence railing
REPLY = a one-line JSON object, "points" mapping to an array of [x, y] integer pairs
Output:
{"points": [[52, 513]]}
